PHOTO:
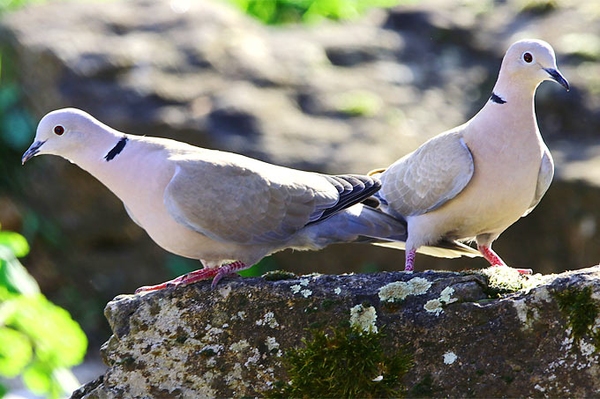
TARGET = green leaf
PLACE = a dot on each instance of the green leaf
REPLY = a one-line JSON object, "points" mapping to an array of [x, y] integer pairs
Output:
{"points": [[55, 342], [65, 379], [42, 380], [308, 11], [37, 378], [3, 390], [15, 352], [15, 242], [14, 276], [58, 340]]}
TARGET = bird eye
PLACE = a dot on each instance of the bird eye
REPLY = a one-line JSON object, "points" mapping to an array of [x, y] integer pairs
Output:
{"points": [[59, 130], [527, 57]]}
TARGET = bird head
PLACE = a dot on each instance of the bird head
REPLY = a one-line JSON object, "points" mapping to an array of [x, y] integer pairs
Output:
{"points": [[531, 62], [63, 132]]}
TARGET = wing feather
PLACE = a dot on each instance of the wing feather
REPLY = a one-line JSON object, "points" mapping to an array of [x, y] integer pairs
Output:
{"points": [[544, 179], [230, 197], [428, 177]]}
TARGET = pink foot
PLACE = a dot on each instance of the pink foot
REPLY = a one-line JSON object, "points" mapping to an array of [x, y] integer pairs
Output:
{"points": [[495, 260], [217, 273]]}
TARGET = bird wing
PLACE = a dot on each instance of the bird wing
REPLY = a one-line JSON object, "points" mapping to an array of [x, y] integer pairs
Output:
{"points": [[544, 179], [229, 197], [428, 177]]}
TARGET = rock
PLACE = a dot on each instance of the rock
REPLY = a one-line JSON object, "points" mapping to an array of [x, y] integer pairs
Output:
{"points": [[459, 336]]}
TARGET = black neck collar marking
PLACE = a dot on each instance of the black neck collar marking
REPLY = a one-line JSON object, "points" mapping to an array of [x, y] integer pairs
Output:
{"points": [[497, 99], [116, 150]]}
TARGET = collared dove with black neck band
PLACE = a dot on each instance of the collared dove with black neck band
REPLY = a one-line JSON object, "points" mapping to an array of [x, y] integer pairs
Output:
{"points": [[224, 209], [474, 181]]}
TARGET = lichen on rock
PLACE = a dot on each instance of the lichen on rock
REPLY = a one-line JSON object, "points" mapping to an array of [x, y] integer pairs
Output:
{"points": [[399, 290], [363, 318]]}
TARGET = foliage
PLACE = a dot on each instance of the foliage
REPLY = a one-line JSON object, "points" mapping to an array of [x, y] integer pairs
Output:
{"points": [[16, 123], [343, 362], [275, 12], [38, 340], [10, 5], [359, 103]]}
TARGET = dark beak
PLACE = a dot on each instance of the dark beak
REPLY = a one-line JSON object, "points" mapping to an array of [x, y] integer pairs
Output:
{"points": [[32, 151], [554, 74]]}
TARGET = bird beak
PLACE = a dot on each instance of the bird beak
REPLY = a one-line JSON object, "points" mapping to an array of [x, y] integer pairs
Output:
{"points": [[32, 151], [555, 75]]}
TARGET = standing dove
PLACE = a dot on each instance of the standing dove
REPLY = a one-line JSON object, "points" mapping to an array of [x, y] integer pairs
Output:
{"points": [[477, 179], [226, 210]]}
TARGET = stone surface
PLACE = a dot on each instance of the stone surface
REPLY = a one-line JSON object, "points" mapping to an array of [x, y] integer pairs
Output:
{"points": [[464, 340]]}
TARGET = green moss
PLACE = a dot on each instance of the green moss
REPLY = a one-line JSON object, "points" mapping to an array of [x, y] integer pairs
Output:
{"points": [[343, 362], [277, 275], [423, 388], [317, 325], [507, 378], [208, 352], [580, 310], [506, 280], [311, 309], [328, 304], [180, 339]]}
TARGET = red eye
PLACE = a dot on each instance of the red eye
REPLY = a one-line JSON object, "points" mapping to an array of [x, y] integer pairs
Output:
{"points": [[527, 57], [59, 130]]}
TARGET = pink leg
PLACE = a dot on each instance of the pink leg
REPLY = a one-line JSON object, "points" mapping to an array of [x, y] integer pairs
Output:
{"points": [[495, 260], [217, 272], [226, 269], [490, 255], [409, 264]]}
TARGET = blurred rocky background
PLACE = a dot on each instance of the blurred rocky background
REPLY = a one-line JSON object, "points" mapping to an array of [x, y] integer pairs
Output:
{"points": [[327, 96]]}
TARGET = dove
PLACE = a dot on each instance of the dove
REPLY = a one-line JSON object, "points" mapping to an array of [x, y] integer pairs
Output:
{"points": [[224, 209], [474, 181]]}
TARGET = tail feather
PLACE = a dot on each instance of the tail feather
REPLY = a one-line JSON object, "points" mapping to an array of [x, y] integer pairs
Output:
{"points": [[358, 223], [363, 224], [444, 249]]}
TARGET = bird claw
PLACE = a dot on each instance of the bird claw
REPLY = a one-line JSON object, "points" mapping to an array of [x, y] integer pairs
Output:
{"points": [[496, 261], [148, 288], [225, 270], [527, 272], [185, 279], [216, 273]]}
